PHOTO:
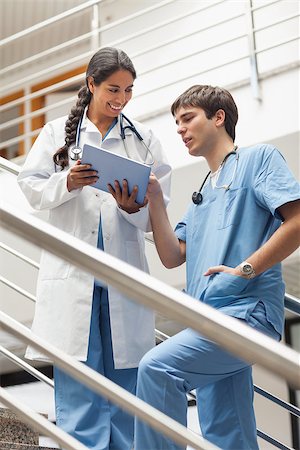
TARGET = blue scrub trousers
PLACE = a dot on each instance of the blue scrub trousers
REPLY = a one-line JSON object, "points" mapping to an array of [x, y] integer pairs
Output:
{"points": [[223, 386], [85, 415]]}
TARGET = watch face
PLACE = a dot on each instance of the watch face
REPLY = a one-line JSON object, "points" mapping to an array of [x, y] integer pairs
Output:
{"points": [[247, 268]]}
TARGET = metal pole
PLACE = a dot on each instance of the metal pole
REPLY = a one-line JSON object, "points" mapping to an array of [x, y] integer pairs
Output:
{"points": [[252, 346], [110, 390], [252, 52], [95, 24]]}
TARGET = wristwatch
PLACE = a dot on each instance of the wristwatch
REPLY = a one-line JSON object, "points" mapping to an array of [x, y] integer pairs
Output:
{"points": [[247, 270]]}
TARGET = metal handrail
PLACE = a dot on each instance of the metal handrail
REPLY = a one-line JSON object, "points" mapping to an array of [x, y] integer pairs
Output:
{"points": [[286, 405], [118, 41], [162, 336], [9, 166], [157, 295], [272, 441], [40, 111], [54, 87], [134, 35], [165, 109], [110, 390], [291, 302], [50, 21], [19, 255], [264, 5], [17, 288], [266, 437], [27, 367], [91, 52]]}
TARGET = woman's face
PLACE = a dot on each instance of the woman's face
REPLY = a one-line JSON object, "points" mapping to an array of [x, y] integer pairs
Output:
{"points": [[112, 95]]}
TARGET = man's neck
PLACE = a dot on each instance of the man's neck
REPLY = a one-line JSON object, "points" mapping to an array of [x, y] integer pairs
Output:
{"points": [[216, 156]]}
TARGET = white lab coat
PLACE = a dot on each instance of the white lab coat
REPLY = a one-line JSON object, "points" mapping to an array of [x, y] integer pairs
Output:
{"points": [[64, 293]]}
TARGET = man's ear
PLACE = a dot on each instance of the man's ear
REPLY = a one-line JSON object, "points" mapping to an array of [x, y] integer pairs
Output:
{"points": [[90, 83], [220, 117]]}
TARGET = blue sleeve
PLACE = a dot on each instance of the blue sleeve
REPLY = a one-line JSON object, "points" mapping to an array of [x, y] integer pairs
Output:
{"points": [[180, 230], [274, 183], [181, 227]]}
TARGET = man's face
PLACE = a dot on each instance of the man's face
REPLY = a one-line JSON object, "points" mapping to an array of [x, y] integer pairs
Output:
{"points": [[197, 132]]}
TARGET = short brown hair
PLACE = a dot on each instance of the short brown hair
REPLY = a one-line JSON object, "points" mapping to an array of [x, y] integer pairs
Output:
{"points": [[210, 99]]}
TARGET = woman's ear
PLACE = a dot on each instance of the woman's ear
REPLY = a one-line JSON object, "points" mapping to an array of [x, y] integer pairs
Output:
{"points": [[220, 117], [90, 83]]}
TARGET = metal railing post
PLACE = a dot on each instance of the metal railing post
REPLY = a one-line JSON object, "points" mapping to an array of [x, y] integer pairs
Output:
{"points": [[252, 52], [95, 25], [27, 120]]}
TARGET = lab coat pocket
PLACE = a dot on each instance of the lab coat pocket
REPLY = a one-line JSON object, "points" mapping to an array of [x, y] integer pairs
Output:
{"points": [[231, 208], [53, 268], [133, 254]]}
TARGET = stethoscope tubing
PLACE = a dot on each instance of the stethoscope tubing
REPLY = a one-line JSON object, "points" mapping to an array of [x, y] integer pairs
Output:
{"points": [[197, 196], [75, 152]]}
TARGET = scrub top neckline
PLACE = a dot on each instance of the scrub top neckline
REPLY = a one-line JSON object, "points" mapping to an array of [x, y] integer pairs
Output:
{"points": [[110, 128]]}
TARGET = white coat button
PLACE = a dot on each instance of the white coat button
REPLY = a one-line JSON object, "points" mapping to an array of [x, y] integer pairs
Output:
{"points": [[93, 232], [97, 195], [107, 237]]}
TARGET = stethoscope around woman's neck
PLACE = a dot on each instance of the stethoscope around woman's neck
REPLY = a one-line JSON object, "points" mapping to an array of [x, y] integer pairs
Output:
{"points": [[197, 196], [75, 152]]}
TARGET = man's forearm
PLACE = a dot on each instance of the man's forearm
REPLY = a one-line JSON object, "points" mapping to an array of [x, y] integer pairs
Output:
{"points": [[169, 249], [282, 244]]}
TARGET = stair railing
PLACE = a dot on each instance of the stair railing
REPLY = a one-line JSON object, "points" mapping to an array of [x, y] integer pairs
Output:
{"points": [[292, 303], [104, 387], [157, 295], [250, 54], [285, 405]]}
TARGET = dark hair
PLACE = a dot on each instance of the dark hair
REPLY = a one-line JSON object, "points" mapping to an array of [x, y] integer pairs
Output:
{"points": [[210, 99], [102, 65]]}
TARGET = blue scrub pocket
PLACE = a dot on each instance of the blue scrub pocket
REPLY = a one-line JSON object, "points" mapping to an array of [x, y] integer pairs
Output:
{"points": [[225, 289], [231, 207]]}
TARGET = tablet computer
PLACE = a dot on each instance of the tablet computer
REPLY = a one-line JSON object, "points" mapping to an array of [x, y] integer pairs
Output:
{"points": [[113, 167]]}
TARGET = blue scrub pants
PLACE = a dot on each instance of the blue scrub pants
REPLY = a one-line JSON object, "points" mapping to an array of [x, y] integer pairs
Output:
{"points": [[85, 415], [223, 386]]}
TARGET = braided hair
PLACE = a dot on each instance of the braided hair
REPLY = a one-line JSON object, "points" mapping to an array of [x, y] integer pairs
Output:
{"points": [[102, 65]]}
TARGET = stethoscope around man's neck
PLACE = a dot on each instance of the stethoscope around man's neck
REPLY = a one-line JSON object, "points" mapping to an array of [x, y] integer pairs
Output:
{"points": [[197, 196], [75, 152]]}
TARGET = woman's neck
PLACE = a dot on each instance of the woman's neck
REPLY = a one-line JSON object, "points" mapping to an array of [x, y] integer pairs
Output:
{"points": [[102, 123]]}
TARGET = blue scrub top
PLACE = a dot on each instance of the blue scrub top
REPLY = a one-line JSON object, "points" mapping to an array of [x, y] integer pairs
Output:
{"points": [[100, 234], [229, 226]]}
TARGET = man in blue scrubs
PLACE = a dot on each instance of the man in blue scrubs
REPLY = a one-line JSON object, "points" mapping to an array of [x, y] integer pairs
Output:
{"points": [[232, 238]]}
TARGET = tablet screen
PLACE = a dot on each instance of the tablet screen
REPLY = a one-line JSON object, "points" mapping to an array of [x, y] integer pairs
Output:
{"points": [[113, 167]]}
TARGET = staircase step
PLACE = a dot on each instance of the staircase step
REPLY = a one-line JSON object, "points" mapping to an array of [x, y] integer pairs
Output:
{"points": [[15, 446], [13, 430]]}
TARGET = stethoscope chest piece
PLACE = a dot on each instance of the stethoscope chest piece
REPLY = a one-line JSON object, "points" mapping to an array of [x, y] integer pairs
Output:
{"points": [[75, 152], [197, 198]]}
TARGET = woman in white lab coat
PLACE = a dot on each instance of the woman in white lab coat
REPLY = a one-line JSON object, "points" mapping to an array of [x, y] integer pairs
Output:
{"points": [[75, 312]]}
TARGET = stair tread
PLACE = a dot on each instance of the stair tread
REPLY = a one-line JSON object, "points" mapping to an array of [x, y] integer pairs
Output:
{"points": [[16, 446], [13, 429]]}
